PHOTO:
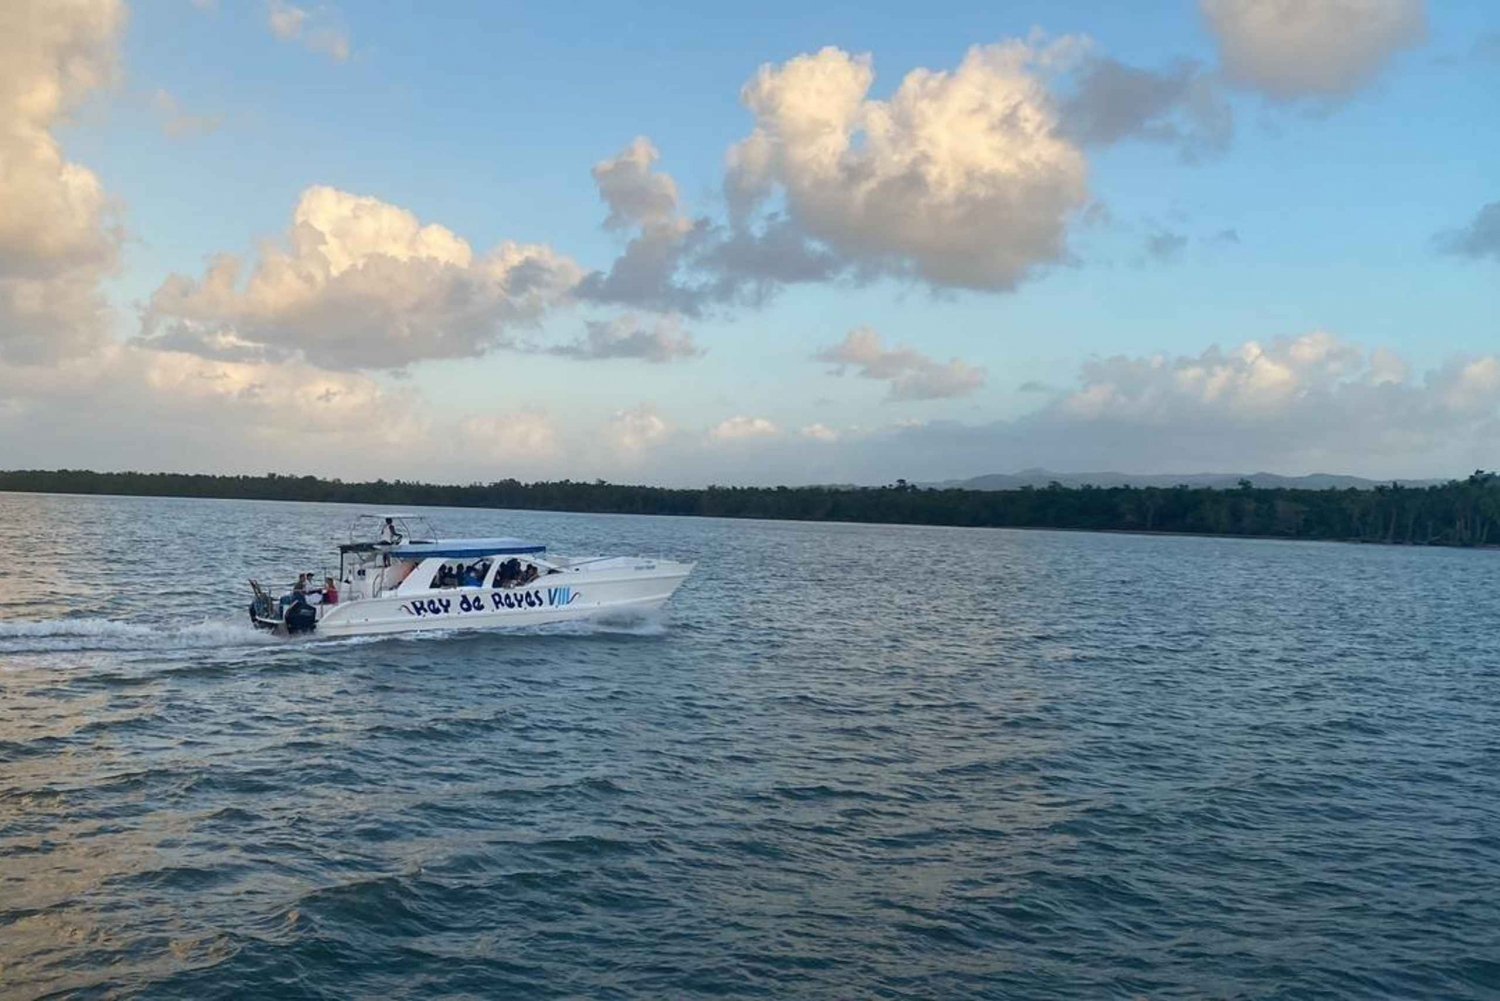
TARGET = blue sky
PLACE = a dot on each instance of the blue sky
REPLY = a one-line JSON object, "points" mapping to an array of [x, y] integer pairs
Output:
{"points": [[1321, 213]]}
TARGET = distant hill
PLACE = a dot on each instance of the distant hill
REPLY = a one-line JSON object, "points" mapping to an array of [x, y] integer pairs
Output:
{"points": [[1210, 481]]}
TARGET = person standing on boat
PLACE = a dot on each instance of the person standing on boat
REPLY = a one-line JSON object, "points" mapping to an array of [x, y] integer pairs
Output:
{"points": [[389, 533]]}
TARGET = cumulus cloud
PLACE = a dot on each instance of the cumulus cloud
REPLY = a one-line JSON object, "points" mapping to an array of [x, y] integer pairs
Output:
{"points": [[910, 374], [1180, 106], [1315, 403], [1319, 49], [310, 29], [57, 239], [748, 262], [961, 179], [643, 201], [176, 122], [659, 340], [361, 284], [743, 428], [634, 430], [1306, 402], [1479, 239], [676, 264]]}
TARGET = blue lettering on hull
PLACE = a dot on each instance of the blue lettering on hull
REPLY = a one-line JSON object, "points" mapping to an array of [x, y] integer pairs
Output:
{"points": [[503, 600]]}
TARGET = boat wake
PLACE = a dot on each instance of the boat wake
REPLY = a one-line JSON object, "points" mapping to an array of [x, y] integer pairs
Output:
{"points": [[82, 635], [87, 634]]}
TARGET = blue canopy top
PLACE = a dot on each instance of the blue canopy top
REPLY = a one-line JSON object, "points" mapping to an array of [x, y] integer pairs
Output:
{"points": [[466, 549]]}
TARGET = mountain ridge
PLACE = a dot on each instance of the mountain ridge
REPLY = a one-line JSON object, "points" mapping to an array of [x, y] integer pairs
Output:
{"points": [[1038, 477]]}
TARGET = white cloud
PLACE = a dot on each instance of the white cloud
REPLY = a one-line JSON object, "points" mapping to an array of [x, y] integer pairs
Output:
{"points": [[743, 428], [1315, 403], [910, 374], [660, 340], [1310, 402], [295, 24], [57, 240], [1321, 49], [636, 194], [676, 264], [643, 201], [151, 409], [176, 122], [960, 179], [820, 432], [637, 429], [362, 284], [157, 409], [528, 434], [286, 20]]}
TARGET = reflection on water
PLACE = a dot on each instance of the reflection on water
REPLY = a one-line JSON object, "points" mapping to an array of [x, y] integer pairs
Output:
{"points": [[849, 761]]}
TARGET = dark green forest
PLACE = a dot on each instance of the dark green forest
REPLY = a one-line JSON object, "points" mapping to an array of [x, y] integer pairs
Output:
{"points": [[1458, 513]]}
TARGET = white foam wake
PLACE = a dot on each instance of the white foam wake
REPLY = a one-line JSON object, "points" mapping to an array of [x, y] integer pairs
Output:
{"points": [[60, 635]]}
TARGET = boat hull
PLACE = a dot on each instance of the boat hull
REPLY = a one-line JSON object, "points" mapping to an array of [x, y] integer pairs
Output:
{"points": [[564, 597]]}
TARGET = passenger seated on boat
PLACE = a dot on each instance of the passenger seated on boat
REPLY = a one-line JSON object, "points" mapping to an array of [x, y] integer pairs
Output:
{"points": [[510, 573], [298, 592], [474, 575], [530, 574], [330, 592], [446, 577]]}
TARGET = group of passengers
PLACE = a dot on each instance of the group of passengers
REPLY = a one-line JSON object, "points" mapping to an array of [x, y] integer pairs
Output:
{"points": [[305, 592], [510, 574]]}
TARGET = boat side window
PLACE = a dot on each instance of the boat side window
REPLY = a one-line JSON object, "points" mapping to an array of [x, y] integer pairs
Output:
{"points": [[510, 573]]}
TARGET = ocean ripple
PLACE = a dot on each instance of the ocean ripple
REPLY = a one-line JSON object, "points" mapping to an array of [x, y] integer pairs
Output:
{"points": [[848, 762]]}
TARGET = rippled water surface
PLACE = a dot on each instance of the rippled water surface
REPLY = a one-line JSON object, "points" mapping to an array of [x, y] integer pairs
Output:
{"points": [[847, 762]]}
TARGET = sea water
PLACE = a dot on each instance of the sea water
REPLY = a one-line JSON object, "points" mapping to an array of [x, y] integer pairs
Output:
{"points": [[847, 761]]}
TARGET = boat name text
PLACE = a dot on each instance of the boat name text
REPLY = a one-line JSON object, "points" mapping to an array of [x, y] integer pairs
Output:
{"points": [[552, 597]]}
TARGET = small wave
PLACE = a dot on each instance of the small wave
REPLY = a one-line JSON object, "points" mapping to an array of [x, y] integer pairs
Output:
{"points": [[85, 634]]}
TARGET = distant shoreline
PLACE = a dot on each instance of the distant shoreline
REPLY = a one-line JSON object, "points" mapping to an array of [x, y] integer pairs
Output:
{"points": [[1457, 513]]}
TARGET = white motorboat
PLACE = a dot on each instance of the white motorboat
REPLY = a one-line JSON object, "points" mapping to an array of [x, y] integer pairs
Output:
{"points": [[397, 576]]}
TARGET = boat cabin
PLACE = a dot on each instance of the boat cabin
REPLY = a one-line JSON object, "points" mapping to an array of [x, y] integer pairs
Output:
{"points": [[400, 555]]}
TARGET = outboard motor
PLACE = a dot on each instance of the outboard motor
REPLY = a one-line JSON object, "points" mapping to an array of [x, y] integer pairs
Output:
{"points": [[300, 617]]}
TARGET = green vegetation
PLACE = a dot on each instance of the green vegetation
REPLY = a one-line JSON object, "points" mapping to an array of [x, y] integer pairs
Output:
{"points": [[1458, 513]]}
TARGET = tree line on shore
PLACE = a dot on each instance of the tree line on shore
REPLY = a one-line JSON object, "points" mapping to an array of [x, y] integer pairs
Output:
{"points": [[1457, 513]]}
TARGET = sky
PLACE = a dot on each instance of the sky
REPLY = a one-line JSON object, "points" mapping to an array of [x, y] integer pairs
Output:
{"points": [[792, 243]]}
